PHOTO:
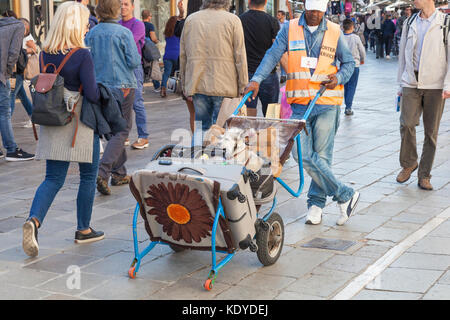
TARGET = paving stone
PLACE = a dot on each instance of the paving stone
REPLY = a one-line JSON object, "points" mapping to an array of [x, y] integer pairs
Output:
{"points": [[10, 224], [60, 262], [441, 231], [124, 288], [412, 218], [13, 292], [288, 295], [386, 295], [188, 289], [371, 251], [445, 279], [432, 245], [307, 259], [269, 282], [321, 282], [16, 254], [347, 263], [422, 261], [64, 284], [26, 278], [388, 234], [244, 293], [438, 292], [114, 265], [403, 279], [364, 223], [60, 297]]}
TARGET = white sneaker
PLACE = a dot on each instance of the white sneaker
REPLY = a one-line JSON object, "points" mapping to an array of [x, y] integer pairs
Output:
{"points": [[348, 209], [28, 124], [314, 215], [388, 57]]}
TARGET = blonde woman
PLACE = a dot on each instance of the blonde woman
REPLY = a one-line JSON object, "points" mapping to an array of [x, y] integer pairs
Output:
{"points": [[55, 145]]}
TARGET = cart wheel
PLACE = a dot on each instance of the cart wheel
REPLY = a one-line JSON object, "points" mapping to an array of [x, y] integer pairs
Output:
{"points": [[132, 272], [270, 242], [176, 248], [208, 284], [165, 151]]}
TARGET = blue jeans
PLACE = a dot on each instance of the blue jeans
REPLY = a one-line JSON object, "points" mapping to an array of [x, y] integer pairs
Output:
{"points": [[138, 106], [168, 65], [19, 91], [350, 88], [317, 154], [55, 176], [269, 90], [5, 118], [206, 111]]}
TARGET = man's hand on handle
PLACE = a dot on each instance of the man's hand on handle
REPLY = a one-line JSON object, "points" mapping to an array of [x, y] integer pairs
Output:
{"points": [[331, 83], [251, 86]]}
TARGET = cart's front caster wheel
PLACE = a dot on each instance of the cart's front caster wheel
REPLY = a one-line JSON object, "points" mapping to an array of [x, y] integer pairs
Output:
{"points": [[176, 248], [132, 272], [270, 242], [208, 284]]}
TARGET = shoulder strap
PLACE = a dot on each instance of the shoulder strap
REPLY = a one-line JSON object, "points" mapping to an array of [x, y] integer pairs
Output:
{"points": [[66, 58], [409, 22], [446, 28]]}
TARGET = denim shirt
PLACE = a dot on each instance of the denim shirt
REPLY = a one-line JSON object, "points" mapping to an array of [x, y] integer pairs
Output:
{"points": [[115, 55], [281, 45]]}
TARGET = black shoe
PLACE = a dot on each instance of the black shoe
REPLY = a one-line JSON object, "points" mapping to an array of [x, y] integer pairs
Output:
{"points": [[90, 237], [30, 238], [19, 155], [348, 112]]}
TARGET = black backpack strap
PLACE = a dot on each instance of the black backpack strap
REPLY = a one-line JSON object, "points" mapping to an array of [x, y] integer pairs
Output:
{"points": [[445, 28], [409, 22]]}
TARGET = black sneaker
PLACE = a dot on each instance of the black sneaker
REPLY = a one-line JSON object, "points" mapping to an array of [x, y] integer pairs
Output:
{"points": [[90, 237], [19, 155], [348, 112], [30, 238]]}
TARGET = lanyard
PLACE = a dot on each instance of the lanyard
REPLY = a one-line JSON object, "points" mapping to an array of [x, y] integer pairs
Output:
{"points": [[314, 43]]}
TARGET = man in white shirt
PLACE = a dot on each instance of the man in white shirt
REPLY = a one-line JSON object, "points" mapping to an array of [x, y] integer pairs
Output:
{"points": [[424, 77]]}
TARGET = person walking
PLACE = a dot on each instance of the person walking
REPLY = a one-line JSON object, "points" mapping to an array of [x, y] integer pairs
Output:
{"points": [[150, 33], [92, 19], [171, 53], [359, 55], [424, 78], [388, 31], [137, 27], [64, 46], [28, 47], [260, 31], [110, 44], [11, 39], [316, 47], [213, 62]]}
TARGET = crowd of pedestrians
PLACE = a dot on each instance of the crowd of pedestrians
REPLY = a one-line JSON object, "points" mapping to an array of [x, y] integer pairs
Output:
{"points": [[218, 55]]}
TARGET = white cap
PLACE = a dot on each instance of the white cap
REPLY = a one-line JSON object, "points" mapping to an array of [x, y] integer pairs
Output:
{"points": [[320, 5]]}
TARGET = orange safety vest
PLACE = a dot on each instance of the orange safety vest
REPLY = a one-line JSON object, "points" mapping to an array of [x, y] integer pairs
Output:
{"points": [[300, 86]]}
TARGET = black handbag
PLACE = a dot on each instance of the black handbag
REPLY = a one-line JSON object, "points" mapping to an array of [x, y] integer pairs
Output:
{"points": [[150, 51]]}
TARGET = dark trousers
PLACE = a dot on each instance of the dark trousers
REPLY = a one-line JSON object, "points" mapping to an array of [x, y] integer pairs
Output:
{"points": [[350, 88], [415, 102], [387, 41], [115, 154], [269, 90], [379, 44]]}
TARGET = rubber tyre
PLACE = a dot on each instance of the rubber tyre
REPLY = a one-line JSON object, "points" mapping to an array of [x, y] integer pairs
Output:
{"points": [[132, 272], [176, 248], [208, 285], [270, 242], [165, 151]]}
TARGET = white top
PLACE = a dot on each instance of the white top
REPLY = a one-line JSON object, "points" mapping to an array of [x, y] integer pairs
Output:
{"points": [[26, 39]]}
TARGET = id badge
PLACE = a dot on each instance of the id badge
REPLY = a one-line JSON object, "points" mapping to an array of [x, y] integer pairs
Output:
{"points": [[297, 45], [309, 62]]}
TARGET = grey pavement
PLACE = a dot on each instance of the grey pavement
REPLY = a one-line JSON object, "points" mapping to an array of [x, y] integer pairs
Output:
{"points": [[395, 247]]}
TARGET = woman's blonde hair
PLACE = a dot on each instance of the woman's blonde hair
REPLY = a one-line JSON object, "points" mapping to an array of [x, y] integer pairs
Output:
{"points": [[68, 28]]}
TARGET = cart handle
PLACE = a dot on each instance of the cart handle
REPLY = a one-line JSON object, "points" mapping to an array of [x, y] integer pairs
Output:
{"points": [[241, 104], [313, 102]]}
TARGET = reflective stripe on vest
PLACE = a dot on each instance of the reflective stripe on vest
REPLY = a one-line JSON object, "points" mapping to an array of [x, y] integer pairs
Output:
{"points": [[301, 87]]}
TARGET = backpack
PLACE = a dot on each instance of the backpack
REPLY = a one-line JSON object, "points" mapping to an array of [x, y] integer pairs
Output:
{"points": [[21, 61], [445, 28], [150, 51], [47, 93]]}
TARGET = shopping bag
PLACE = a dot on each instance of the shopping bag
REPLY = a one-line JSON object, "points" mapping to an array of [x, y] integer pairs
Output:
{"points": [[156, 71], [227, 108], [285, 108]]}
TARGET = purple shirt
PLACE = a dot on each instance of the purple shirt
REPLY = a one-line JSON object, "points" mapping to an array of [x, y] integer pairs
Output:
{"points": [[137, 28]]}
